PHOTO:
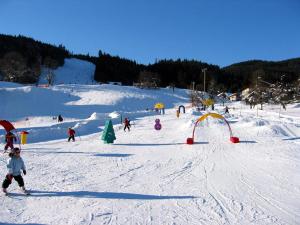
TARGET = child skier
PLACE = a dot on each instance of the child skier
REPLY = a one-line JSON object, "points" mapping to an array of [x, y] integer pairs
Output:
{"points": [[127, 124], [14, 166], [71, 134], [59, 118], [9, 139]]}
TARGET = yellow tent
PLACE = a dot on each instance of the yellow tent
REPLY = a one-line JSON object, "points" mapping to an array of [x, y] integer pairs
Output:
{"points": [[159, 105]]}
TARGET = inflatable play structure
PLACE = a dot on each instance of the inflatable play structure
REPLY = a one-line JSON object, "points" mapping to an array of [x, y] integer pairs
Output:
{"points": [[208, 102], [108, 134], [9, 127], [24, 137], [216, 116], [6, 125], [181, 107], [160, 107], [157, 125]]}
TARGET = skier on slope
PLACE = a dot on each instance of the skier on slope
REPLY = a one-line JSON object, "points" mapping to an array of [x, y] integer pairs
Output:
{"points": [[127, 124], [59, 118], [10, 138], [71, 134], [14, 166]]}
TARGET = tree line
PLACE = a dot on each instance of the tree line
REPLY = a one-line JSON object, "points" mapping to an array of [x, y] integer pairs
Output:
{"points": [[21, 60]]}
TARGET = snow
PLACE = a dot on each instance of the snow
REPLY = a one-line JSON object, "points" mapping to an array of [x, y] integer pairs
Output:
{"points": [[74, 71], [147, 176]]}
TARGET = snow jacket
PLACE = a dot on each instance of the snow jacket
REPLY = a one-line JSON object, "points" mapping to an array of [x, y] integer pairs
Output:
{"points": [[126, 122], [10, 138], [71, 132], [15, 165], [60, 119]]}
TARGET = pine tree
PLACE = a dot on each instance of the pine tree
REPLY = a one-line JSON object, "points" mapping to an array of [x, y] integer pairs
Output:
{"points": [[108, 135]]}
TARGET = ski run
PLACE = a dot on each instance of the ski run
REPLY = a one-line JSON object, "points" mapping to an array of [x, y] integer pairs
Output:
{"points": [[147, 176]]}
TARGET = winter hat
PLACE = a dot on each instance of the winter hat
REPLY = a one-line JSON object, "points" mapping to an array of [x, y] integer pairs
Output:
{"points": [[14, 150]]}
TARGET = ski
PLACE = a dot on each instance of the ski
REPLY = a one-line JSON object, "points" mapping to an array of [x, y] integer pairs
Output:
{"points": [[25, 192]]}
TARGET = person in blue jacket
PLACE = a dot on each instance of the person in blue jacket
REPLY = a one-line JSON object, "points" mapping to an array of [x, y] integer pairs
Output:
{"points": [[15, 165]]}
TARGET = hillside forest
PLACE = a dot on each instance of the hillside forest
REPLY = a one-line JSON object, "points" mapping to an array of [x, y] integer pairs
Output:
{"points": [[22, 58]]}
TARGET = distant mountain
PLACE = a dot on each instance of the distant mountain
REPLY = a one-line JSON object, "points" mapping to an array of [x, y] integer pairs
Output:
{"points": [[270, 71]]}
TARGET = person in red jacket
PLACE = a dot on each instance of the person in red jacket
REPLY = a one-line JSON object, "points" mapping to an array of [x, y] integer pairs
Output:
{"points": [[127, 124], [10, 138], [71, 134]]}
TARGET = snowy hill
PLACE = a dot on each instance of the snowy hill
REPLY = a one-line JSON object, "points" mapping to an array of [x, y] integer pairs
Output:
{"points": [[74, 71], [148, 176]]}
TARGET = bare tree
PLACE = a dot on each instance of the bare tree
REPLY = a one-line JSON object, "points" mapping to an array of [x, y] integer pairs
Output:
{"points": [[50, 77], [13, 66], [296, 88], [282, 92]]}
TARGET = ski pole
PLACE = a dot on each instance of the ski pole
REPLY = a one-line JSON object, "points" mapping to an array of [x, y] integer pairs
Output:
{"points": [[79, 136]]}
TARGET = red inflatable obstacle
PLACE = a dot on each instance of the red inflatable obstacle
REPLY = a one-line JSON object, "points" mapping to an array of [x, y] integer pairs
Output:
{"points": [[6, 125], [190, 141], [233, 139]]}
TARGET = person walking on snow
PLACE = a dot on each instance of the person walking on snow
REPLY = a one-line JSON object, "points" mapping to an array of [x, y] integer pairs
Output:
{"points": [[127, 124], [10, 138], [226, 109], [14, 166], [71, 134]]}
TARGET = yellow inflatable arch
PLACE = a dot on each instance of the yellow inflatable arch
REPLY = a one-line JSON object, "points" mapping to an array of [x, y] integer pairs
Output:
{"points": [[216, 116]]}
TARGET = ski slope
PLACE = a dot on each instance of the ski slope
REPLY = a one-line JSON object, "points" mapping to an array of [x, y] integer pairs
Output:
{"points": [[149, 176]]}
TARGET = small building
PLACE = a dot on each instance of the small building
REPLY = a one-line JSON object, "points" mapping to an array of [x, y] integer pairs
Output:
{"points": [[222, 95], [115, 83], [148, 85], [234, 97], [245, 93]]}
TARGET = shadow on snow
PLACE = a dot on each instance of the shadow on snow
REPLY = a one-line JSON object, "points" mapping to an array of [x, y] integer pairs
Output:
{"points": [[113, 155], [248, 142], [291, 139], [150, 144], [108, 195], [83, 153], [21, 223]]}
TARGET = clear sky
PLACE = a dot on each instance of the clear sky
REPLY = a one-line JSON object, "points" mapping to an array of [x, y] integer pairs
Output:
{"points": [[219, 32]]}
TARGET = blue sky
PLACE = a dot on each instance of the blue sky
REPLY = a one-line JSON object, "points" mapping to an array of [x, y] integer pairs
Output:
{"points": [[219, 32]]}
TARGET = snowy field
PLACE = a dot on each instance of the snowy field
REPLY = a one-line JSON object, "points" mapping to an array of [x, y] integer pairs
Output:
{"points": [[147, 176]]}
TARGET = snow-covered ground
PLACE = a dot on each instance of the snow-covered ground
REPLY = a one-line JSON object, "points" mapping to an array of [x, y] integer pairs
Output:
{"points": [[148, 176]]}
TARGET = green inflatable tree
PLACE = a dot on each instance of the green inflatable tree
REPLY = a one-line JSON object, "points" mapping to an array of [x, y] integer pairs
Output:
{"points": [[108, 135]]}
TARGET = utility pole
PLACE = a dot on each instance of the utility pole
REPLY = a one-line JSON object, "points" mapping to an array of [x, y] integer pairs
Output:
{"points": [[204, 71]]}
